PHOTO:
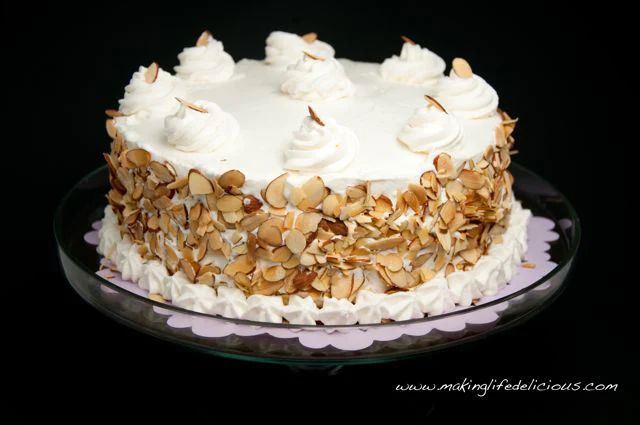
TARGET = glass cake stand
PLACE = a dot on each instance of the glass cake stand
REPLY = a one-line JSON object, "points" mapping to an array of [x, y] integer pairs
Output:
{"points": [[299, 345]]}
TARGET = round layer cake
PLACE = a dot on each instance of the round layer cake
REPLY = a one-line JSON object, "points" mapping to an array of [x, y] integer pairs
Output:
{"points": [[309, 189]]}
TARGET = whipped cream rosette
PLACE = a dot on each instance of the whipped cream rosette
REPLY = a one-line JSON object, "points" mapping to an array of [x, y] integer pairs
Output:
{"points": [[151, 90], [284, 48], [321, 145], [200, 127], [313, 79], [206, 62], [465, 94], [416, 65], [431, 129]]}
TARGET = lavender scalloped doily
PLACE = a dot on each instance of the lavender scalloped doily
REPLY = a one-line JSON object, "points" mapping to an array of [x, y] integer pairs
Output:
{"points": [[539, 233]]}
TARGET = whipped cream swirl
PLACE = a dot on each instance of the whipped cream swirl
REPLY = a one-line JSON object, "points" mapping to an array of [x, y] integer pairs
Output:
{"points": [[205, 64], [191, 130], [315, 147], [470, 98], [284, 48], [416, 65], [157, 97], [431, 130], [311, 80]]}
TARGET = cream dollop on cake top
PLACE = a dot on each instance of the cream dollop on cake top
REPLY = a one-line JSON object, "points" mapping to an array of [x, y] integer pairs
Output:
{"points": [[206, 62], [431, 129], [416, 65], [284, 48], [313, 78], [466, 94], [321, 145], [151, 90], [200, 126]]}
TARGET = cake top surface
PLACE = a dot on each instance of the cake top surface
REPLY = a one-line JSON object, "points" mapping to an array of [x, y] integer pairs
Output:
{"points": [[373, 120]]}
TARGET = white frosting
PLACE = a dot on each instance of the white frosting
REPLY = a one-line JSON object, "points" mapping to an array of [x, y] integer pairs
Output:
{"points": [[337, 312], [205, 64], [129, 261], [300, 311], [375, 113], [314, 80], [433, 297], [153, 277], [438, 295], [432, 130], [263, 308], [470, 98], [156, 98], [321, 148], [284, 48], [416, 65], [109, 234], [194, 131]]}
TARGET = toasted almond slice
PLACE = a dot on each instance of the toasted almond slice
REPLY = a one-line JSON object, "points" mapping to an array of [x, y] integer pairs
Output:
{"points": [[462, 68], [192, 106], [281, 254], [295, 241], [385, 243], [229, 203], [242, 264], [472, 179], [198, 183], [203, 40], [449, 269], [407, 40], [270, 233], [273, 273], [151, 74], [250, 222], [470, 255], [331, 205], [264, 287], [312, 56], [340, 286], [232, 178], [114, 113], [433, 102], [162, 172], [315, 116], [111, 128], [139, 157], [392, 261], [274, 193], [444, 237], [399, 278], [251, 204], [448, 211], [206, 279], [188, 269], [444, 166], [310, 37], [179, 183], [303, 279], [314, 190], [307, 222]]}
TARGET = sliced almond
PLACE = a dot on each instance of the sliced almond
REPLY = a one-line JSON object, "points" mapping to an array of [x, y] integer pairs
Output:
{"points": [[251, 204], [340, 286], [407, 40], [472, 179], [307, 222], [392, 261], [192, 106], [199, 184], [304, 279], [444, 166], [203, 40], [111, 128], [113, 113], [310, 37], [179, 183], [161, 171], [312, 56], [448, 211], [151, 74], [433, 102], [385, 243], [282, 254], [315, 116], [274, 193], [230, 179], [295, 241], [462, 68], [270, 233], [274, 273], [242, 264], [314, 191], [250, 222], [139, 157], [331, 205], [229, 203], [470, 255]]}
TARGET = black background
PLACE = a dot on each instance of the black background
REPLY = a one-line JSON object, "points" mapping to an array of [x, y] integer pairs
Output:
{"points": [[548, 66]]}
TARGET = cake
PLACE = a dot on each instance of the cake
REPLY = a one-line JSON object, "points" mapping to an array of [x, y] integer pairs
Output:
{"points": [[312, 190]]}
